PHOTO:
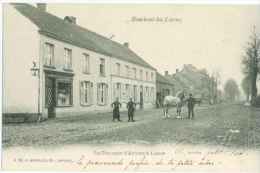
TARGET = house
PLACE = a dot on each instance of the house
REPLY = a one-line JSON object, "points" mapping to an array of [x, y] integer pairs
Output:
{"points": [[164, 87], [54, 67]]}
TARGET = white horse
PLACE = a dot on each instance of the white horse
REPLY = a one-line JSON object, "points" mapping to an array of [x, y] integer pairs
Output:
{"points": [[173, 101]]}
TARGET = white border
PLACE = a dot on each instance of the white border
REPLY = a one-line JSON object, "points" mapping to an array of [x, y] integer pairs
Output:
{"points": [[195, 2], [191, 2]]}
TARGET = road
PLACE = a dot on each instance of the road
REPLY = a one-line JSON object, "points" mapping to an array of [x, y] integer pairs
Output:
{"points": [[228, 125]]}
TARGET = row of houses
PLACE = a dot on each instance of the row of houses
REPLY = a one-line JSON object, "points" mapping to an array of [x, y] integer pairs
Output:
{"points": [[54, 67]]}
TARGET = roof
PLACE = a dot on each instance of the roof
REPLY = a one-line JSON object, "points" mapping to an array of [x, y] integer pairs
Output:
{"points": [[161, 79], [55, 27]]}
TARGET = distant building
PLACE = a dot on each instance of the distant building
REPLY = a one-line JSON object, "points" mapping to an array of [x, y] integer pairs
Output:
{"points": [[53, 67], [164, 87]]}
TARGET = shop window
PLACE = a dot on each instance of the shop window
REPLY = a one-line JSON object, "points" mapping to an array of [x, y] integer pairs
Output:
{"points": [[64, 93]]}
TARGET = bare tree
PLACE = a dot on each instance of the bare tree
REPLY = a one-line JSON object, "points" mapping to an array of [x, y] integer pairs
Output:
{"points": [[250, 62]]}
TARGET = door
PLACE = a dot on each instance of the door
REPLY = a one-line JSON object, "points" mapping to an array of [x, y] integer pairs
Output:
{"points": [[50, 99], [141, 98], [135, 93]]}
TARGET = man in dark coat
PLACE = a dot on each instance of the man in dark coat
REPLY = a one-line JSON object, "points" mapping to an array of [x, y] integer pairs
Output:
{"points": [[131, 108], [116, 105], [190, 104]]}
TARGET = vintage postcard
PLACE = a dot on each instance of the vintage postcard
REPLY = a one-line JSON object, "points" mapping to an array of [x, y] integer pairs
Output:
{"points": [[131, 87]]}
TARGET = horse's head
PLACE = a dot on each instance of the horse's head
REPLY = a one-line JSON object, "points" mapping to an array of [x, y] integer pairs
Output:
{"points": [[180, 94]]}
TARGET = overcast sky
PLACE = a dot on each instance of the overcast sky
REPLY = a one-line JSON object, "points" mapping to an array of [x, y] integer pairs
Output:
{"points": [[206, 36]]}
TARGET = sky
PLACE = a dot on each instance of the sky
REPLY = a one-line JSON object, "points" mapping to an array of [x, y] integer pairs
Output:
{"points": [[208, 36]]}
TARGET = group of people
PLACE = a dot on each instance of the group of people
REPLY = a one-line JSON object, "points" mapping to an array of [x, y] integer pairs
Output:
{"points": [[179, 101], [131, 105], [116, 105], [190, 105]]}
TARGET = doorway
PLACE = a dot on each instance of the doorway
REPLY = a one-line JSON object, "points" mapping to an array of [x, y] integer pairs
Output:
{"points": [[50, 96], [141, 97]]}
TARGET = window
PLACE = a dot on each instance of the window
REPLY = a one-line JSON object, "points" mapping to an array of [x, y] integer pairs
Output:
{"points": [[127, 71], [86, 93], [152, 94], [117, 91], [86, 67], [134, 73], [102, 93], [67, 59], [49, 54], [118, 69], [64, 93], [141, 74], [152, 76], [146, 94], [102, 67], [127, 90], [135, 94], [146, 76]]}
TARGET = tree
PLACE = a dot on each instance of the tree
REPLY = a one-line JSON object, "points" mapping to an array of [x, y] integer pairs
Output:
{"points": [[246, 87], [250, 63], [215, 84], [231, 90]]}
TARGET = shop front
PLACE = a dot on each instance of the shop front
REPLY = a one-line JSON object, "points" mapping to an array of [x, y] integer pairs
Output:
{"points": [[58, 91]]}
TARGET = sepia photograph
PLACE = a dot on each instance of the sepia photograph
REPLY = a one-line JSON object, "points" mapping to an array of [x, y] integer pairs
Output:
{"points": [[130, 87]]}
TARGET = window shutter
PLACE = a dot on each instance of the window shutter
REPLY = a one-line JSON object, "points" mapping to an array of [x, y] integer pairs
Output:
{"points": [[137, 93], [87, 92], [91, 92], [88, 64], [81, 93], [120, 91], [106, 93], [98, 93], [84, 63]]}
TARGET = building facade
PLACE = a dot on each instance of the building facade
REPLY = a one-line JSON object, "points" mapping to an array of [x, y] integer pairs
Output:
{"points": [[135, 81], [53, 67]]}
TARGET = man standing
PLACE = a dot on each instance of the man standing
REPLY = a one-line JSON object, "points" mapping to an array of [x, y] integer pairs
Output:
{"points": [[116, 106], [131, 109], [190, 104]]}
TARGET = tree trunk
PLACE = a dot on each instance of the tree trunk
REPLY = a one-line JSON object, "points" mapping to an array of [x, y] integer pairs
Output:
{"points": [[253, 86], [247, 97]]}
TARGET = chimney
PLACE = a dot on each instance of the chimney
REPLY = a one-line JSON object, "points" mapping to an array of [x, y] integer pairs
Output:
{"points": [[70, 19], [42, 6], [126, 44], [166, 73]]}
